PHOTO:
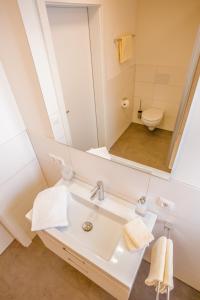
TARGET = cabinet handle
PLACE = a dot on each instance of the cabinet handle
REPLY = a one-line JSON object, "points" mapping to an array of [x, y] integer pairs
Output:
{"points": [[73, 255], [80, 268]]}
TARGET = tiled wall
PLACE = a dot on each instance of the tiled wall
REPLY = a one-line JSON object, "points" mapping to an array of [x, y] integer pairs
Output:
{"points": [[131, 184], [20, 174], [159, 87], [118, 119]]}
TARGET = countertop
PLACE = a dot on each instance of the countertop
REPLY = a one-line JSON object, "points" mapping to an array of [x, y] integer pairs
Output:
{"points": [[123, 265]]}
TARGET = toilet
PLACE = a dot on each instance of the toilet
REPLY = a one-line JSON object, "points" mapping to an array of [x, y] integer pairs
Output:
{"points": [[152, 118]]}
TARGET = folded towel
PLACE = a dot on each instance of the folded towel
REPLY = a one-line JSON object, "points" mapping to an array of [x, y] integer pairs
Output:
{"points": [[125, 48], [157, 267], [102, 152], [137, 235], [168, 273], [50, 208]]}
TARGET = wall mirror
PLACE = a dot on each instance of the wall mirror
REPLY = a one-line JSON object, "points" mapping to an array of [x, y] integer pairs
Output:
{"points": [[121, 74]]}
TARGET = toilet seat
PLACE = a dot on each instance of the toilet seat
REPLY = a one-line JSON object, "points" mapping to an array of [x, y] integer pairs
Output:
{"points": [[152, 114]]}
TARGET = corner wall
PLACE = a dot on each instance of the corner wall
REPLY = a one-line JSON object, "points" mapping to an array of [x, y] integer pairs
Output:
{"points": [[21, 177], [165, 36], [119, 18]]}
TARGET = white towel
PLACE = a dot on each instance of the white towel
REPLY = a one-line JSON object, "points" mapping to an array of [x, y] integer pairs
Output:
{"points": [[168, 273], [136, 234], [102, 152], [157, 267], [125, 48], [50, 208]]}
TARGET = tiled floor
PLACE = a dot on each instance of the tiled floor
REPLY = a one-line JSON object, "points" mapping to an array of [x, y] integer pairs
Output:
{"points": [[139, 144], [35, 273]]}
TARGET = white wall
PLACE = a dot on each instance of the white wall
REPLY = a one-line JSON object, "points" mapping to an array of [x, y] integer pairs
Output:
{"points": [[165, 36], [119, 18], [20, 174]]}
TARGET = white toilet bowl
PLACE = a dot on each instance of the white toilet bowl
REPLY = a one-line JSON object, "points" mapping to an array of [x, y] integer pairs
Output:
{"points": [[152, 118]]}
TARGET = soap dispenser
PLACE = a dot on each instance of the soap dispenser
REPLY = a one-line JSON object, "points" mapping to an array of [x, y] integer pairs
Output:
{"points": [[66, 170]]}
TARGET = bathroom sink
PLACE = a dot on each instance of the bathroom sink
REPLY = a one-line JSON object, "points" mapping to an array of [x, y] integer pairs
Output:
{"points": [[106, 229]]}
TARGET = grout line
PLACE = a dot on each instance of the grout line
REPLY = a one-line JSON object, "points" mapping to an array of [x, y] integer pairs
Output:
{"points": [[12, 138], [19, 171]]}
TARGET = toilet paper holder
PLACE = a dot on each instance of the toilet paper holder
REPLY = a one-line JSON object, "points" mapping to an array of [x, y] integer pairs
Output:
{"points": [[125, 103]]}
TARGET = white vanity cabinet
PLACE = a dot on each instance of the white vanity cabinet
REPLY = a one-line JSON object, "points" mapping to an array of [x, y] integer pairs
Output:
{"points": [[111, 285], [102, 256]]}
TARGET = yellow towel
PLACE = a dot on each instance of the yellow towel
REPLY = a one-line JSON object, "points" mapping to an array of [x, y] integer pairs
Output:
{"points": [[125, 48], [168, 273], [137, 235], [157, 267]]}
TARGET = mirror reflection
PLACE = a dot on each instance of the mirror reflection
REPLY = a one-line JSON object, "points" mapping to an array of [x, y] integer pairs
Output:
{"points": [[126, 90]]}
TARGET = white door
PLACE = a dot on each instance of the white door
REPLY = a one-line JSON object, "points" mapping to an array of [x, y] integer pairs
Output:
{"points": [[71, 39]]}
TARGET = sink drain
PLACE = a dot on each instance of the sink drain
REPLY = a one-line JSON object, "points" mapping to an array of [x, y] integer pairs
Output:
{"points": [[87, 226]]}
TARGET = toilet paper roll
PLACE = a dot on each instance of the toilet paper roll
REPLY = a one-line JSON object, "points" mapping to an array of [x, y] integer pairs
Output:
{"points": [[125, 103]]}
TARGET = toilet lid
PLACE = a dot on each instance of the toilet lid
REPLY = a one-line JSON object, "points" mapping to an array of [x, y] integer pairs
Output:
{"points": [[152, 114]]}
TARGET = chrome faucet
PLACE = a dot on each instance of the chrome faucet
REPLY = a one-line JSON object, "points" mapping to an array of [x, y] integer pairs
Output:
{"points": [[99, 189]]}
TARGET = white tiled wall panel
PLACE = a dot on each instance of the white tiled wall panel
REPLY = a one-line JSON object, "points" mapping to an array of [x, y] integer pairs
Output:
{"points": [[117, 179], [15, 155], [159, 87], [10, 120], [186, 232], [20, 175], [16, 199]]}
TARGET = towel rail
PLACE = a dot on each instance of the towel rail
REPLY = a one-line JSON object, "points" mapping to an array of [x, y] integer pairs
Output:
{"points": [[167, 227]]}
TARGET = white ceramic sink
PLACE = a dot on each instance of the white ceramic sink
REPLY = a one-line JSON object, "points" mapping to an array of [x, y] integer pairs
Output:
{"points": [[107, 227]]}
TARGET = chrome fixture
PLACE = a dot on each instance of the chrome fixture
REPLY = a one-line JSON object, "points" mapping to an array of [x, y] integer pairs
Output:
{"points": [[87, 226], [98, 190]]}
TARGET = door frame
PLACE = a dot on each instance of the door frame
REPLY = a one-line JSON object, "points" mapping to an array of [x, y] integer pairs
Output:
{"points": [[37, 27], [192, 78]]}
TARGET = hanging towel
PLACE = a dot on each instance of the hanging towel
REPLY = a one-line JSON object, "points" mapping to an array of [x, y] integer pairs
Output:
{"points": [[125, 48], [157, 267], [168, 273], [136, 234], [102, 152], [50, 208]]}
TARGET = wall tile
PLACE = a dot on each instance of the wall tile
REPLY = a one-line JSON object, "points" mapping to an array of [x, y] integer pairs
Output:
{"points": [[117, 118], [44, 146], [144, 90], [145, 73], [185, 220], [168, 93], [176, 74], [15, 155], [123, 181], [11, 121], [161, 87], [16, 199]]}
